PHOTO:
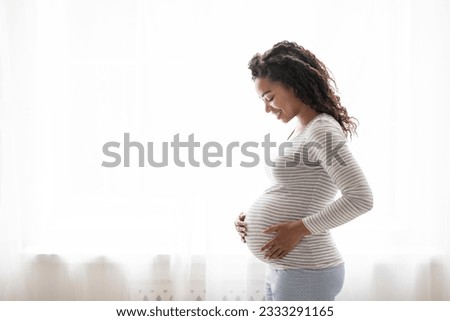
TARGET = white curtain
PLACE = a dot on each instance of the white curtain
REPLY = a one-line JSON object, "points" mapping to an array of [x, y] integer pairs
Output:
{"points": [[75, 75]]}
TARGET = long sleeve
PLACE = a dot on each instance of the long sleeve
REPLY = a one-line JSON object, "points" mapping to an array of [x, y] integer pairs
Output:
{"points": [[305, 180], [332, 153]]}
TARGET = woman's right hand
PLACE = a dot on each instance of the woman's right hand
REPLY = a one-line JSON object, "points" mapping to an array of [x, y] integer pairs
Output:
{"points": [[241, 226]]}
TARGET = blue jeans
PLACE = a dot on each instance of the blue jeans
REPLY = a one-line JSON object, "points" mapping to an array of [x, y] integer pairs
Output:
{"points": [[304, 284]]}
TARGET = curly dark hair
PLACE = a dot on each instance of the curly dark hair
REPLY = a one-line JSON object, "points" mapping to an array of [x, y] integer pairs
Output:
{"points": [[296, 67]]}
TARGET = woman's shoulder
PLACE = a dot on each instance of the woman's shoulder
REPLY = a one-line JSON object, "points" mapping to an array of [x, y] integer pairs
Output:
{"points": [[323, 124]]}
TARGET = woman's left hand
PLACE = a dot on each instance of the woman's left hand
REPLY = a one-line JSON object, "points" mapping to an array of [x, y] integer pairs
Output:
{"points": [[288, 236]]}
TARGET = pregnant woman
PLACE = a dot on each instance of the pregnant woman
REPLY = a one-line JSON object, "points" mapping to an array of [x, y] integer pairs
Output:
{"points": [[288, 225]]}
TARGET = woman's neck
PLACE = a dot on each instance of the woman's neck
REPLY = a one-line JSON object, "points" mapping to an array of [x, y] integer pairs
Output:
{"points": [[304, 117]]}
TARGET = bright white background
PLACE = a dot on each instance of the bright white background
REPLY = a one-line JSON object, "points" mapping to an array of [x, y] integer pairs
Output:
{"points": [[77, 74]]}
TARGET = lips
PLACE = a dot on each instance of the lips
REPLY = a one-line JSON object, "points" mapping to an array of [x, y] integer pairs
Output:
{"points": [[277, 113]]}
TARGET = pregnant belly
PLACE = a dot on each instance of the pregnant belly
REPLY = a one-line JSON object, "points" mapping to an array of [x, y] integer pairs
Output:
{"points": [[264, 213]]}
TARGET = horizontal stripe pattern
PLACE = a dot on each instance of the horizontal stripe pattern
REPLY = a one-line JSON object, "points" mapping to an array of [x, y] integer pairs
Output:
{"points": [[308, 192]]}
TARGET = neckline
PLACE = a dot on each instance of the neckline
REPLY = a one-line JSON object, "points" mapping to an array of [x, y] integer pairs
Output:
{"points": [[291, 138]]}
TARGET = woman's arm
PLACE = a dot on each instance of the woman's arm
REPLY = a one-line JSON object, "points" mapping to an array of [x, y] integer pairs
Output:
{"points": [[340, 165], [330, 152]]}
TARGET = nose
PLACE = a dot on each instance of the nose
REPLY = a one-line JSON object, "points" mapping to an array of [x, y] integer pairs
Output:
{"points": [[267, 107]]}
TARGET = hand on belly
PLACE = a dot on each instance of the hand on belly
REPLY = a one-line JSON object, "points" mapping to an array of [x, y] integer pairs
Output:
{"points": [[268, 239], [287, 236]]}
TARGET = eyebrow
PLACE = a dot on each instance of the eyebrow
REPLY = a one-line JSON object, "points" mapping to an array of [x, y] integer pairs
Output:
{"points": [[262, 96]]}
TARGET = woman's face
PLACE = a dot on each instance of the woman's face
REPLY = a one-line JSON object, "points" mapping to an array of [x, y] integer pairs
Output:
{"points": [[278, 99]]}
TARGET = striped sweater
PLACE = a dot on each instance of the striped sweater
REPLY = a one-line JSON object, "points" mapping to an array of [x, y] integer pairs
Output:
{"points": [[305, 182]]}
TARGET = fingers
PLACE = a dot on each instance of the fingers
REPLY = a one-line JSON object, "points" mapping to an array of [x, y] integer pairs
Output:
{"points": [[274, 250], [242, 232], [271, 229], [275, 253], [268, 245], [241, 226]]}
